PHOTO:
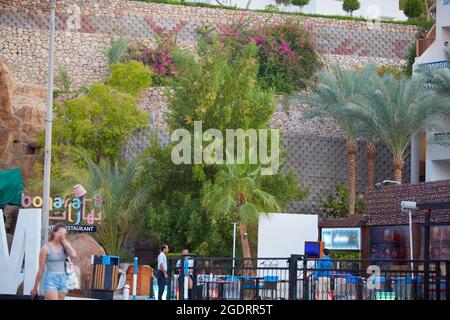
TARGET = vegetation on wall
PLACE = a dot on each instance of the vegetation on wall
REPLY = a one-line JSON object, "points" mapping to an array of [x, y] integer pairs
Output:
{"points": [[287, 57], [98, 122], [223, 95], [131, 78], [336, 205]]}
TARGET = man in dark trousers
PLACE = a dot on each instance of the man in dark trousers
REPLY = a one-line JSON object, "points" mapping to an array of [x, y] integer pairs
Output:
{"points": [[162, 270]]}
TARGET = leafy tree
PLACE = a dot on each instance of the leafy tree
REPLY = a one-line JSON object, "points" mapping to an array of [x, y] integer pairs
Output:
{"points": [[99, 123], [300, 3], [223, 95], [413, 8], [350, 5], [174, 213]]}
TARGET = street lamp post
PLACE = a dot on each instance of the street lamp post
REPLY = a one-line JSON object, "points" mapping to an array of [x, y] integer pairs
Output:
{"points": [[409, 206], [234, 247], [48, 127]]}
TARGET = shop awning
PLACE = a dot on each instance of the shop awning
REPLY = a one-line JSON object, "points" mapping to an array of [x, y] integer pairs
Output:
{"points": [[11, 187]]}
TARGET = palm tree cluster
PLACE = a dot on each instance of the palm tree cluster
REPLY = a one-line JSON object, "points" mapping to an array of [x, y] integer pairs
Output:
{"points": [[383, 108]]}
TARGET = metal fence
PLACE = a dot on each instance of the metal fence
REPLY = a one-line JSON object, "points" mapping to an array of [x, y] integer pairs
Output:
{"points": [[301, 278]]}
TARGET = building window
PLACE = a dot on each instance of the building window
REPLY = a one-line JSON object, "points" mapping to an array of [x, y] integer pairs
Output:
{"points": [[389, 243], [439, 242]]}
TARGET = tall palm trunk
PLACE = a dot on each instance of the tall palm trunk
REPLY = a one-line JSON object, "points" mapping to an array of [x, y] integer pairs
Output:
{"points": [[351, 162], [398, 168], [244, 241], [244, 238], [371, 151]]}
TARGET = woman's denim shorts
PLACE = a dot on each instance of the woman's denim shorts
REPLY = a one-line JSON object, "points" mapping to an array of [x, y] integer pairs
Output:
{"points": [[55, 282]]}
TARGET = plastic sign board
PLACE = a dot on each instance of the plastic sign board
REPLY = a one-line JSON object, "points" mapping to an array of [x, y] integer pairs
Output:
{"points": [[342, 238]]}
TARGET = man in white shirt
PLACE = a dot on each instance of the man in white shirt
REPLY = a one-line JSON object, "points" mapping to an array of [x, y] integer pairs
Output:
{"points": [[162, 270]]}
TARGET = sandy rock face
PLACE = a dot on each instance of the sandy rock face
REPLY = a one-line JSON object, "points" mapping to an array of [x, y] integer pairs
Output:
{"points": [[22, 118], [7, 89]]}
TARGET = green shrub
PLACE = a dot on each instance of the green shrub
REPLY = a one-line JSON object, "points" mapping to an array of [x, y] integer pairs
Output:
{"points": [[131, 77], [345, 255], [410, 59], [336, 205], [391, 69]]}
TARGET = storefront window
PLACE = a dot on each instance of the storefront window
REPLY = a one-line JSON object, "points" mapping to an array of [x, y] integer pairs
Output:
{"points": [[389, 243], [439, 242]]}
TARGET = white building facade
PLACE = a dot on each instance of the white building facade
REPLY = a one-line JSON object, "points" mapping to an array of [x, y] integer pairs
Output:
{"points": [[435, 159]]}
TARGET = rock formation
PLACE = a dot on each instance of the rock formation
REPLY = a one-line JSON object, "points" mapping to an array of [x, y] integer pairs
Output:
{"points": [[85, 246], [21, 119]]}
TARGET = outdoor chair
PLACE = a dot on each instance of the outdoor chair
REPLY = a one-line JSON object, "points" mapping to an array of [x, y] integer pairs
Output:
{"points": [[270, 284], [248, 288]]}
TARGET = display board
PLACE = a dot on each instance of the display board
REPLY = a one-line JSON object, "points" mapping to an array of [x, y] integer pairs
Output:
{"points": [[342, 238], [281, 235]]}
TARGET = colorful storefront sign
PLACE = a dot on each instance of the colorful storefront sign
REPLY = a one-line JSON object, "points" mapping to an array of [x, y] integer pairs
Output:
{"points": [[71, 211]]}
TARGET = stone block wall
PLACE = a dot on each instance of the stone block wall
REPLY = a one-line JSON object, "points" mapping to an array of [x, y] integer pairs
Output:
{"points": [[85, 27]]}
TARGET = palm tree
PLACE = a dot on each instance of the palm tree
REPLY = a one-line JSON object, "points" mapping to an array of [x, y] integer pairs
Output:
{"points": [[120, 202], [439, 81], [369, 135], [399, 109], [236, 192], [331, 93]]}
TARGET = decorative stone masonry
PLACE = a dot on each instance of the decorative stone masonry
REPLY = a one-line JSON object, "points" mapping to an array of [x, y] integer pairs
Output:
{"points": [[84, 28]]}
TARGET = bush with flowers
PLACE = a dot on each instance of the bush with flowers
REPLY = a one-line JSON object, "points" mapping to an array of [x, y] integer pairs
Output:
{"points": [[287, 56], [159, 58]]}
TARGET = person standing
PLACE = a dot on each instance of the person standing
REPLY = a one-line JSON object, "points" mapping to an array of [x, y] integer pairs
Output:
{"points": [[52, 265], [180, 265], [322, 277], [162, 270]]}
